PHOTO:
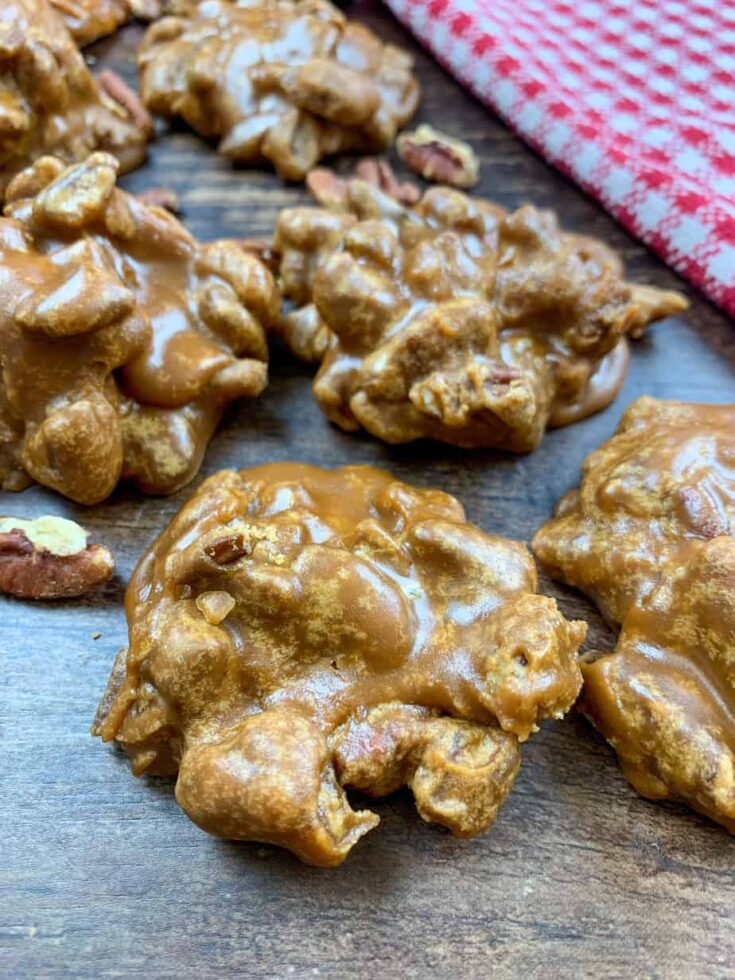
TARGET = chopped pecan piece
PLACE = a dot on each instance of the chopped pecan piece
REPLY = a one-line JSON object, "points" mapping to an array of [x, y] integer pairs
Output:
{"points": [[438, 157], [122, 339], [51, 104], [380, 173], [119, 90], [275, 80], [297, 632], [454, 319], [49, 558]]}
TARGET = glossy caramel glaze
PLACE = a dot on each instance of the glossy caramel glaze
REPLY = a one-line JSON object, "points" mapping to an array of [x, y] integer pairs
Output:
{"points": [[298, 631], [121, 338], [649, 535], [89, 20], [665, 699], [455, 320], [275, 80], [49, 101], [666, 477]]}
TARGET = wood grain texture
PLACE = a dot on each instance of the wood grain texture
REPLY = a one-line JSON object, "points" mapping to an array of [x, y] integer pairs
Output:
{"points": [[103, 876]]}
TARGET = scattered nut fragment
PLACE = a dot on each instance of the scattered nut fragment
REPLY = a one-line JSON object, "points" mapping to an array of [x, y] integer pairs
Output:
{"points": [[274, 80], [332, 191], [650, 536], [297, 632], [49, 558], [118, 89], [453, 319], [438, 157], [380, 174], [122, 339], [50, 103]]}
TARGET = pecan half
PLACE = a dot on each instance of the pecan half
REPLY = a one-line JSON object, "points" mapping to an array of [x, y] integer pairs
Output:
{"points": [[438, 157], [119, 90], [50, 558]]}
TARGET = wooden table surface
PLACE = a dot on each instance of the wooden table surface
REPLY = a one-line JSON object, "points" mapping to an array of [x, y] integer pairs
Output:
{"points": [[103, 876]]}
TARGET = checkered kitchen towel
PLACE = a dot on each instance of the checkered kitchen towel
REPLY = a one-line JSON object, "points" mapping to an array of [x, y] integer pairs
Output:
{"points": [[635, 99]]}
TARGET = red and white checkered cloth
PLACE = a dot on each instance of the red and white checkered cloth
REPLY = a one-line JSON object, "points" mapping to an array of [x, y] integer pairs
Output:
{"points": [[635, 99]]}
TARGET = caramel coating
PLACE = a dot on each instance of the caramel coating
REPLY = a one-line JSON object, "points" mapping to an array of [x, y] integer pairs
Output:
{"points": [[649, 535], [296, 632], [121, 338], [49, 101], [89, 20], [665, 699], [455, 320], [275, 80], [665, 478]]}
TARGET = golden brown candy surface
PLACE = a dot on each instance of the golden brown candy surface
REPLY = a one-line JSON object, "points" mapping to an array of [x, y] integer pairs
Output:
{"points": [[298, 631], [649, 535], [666, 477], [122, 339], [51, 104], [276, 80], [89, 20], [453, 319]]}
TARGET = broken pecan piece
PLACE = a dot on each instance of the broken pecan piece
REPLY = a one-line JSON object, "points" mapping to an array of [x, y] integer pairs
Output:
{"points": [[89, 20], [298, 632], [380, 174], [438, 157], [50, 558]]}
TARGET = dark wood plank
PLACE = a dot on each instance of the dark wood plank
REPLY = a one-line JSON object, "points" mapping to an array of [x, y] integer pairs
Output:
{"points": [[102, 875]]}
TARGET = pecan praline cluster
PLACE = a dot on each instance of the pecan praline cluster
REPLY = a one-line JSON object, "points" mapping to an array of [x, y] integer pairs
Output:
{"points": [[50, 103], [274, 80], [297, 632], [454, 319], [649, 535], [134, 335]]}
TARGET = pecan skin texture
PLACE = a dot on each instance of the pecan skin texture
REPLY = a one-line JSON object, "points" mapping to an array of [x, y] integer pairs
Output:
{"points": [[298, 632], [650, 536], [51, 103], [438, 157], [277, 81], [30, 571], [135, 335]]}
